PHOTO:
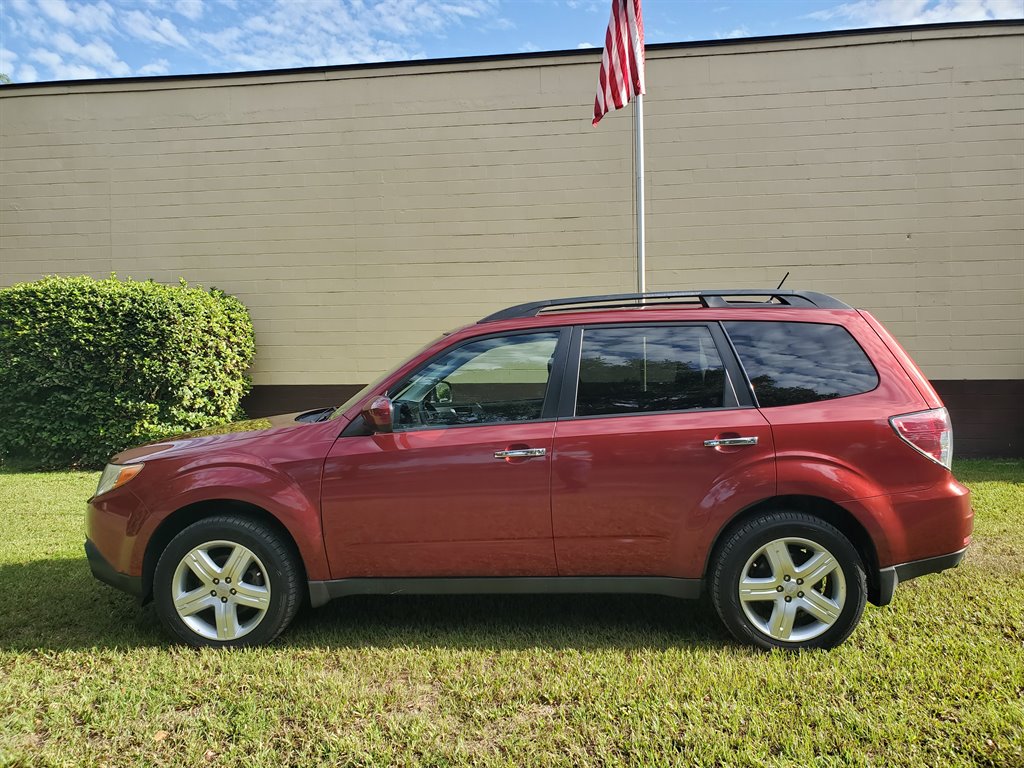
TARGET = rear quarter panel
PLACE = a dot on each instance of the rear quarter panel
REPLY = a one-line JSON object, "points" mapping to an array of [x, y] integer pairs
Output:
{"points": [[845, 450]]}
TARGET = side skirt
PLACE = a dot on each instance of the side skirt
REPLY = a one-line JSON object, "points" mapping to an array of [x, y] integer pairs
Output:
{"points": [[321, 592]]}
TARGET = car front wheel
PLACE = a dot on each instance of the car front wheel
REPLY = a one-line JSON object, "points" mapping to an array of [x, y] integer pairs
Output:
{"points": [[789, 580], [227, 581]]}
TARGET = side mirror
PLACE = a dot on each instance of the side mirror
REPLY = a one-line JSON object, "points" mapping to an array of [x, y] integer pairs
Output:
{"points": [[443, 393], [379, 415]]}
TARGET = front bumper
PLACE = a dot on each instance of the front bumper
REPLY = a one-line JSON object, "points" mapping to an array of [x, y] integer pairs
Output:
{"points": [[889, 577], [105, 572]]}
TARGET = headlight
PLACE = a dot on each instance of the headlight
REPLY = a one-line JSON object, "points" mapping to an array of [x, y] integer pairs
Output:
{"points": [[116, 475]]}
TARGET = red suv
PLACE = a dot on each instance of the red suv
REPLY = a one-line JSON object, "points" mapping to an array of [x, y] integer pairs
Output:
{"points": [[776, 448]]}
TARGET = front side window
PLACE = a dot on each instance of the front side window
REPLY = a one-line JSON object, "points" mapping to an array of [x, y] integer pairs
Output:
{"points": [[643, 369], [794, 363], [489, 381]]}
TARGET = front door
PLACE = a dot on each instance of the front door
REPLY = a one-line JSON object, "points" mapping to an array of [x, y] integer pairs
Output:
{"points": [[462, 485], [635, 485]]}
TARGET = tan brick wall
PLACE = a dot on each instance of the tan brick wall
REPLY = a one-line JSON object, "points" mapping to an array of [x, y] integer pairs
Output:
{"points": [[361, 212]]}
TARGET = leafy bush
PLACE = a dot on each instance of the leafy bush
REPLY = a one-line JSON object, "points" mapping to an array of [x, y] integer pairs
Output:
{"points": [[90, 367]]}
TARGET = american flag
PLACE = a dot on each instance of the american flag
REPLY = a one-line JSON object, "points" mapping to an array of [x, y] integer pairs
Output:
{"points": [[622, 65]]}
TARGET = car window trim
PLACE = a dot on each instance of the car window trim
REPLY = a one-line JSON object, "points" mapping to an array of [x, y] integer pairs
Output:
{"points": [[734, 397], [681, 412], [745, 386], [548, 407], [734, 373], [571, 376], [750, 384]]}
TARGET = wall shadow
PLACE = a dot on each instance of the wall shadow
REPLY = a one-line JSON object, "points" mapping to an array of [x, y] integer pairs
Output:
{"points": [[57, 605]]}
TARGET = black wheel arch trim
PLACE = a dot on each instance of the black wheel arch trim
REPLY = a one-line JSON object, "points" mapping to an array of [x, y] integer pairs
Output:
{"points": [[183, 517], [832, 512]]}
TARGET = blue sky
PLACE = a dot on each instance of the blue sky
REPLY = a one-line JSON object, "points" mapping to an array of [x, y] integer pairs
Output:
{"points": [[67, 39]]}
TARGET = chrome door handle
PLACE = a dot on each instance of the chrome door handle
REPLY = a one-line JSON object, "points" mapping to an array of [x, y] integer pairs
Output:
{"points": [[730, 441], [521, 453]]}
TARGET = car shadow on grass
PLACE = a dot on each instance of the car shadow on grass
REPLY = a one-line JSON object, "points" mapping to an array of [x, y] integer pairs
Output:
{"points": [[512, 622], [57, 605]]}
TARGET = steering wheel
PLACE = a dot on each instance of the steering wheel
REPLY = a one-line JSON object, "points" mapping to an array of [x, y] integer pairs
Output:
{"points": [[410, 413], [427, 412]]}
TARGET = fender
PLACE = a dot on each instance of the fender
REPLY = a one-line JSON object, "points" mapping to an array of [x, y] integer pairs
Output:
{"points": [[825, 477], [238, 476]]}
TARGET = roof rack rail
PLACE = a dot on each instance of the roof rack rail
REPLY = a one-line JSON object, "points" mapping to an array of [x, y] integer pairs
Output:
{"points": [[707, 298]]}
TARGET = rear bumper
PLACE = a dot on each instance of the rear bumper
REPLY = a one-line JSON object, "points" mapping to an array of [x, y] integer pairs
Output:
{"points": [[105, 572], [889, 578]]}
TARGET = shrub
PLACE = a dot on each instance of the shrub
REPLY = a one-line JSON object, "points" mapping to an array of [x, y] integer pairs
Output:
{"points": [[90, 367]]}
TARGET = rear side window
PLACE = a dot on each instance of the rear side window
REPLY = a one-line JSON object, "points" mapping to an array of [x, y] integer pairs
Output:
{"points": [[793, 363], [644, 369]]}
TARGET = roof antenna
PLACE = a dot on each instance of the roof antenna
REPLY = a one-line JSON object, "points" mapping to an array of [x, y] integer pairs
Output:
{"points": [[781, 282]]}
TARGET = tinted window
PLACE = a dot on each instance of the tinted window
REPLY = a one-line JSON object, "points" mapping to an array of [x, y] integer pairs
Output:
{"points": [[648, 368], [489, 381], [792, 363]]}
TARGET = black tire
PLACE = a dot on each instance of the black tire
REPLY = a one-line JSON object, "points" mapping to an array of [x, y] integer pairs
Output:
{"points": [[807, 631], [275, 568]]}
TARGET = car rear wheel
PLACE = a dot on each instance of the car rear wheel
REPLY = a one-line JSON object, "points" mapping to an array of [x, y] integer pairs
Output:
{"points": [[227, 581], [789, 580]]}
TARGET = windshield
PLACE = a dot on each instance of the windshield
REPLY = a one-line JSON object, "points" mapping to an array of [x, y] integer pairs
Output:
{"points": [[341, 409]]}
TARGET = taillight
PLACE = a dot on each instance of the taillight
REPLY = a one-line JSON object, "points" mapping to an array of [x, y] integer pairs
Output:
{"points": [[928, 432]]}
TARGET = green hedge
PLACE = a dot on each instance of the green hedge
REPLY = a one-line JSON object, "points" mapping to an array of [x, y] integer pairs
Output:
{"points": [[90, 367]]}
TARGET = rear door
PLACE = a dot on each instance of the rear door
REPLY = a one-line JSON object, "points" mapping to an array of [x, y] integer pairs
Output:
{"points": [[657, 436]]}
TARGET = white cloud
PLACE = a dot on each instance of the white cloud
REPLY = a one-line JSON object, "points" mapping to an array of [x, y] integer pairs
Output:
{"points": [[886, 13], [529, 47], [153, 29], [158, 67], [97, 53], [49, 58], [7, 59], [26, 74], [501, 23], [61, 70], [50, 35], [82, 17], [289, 34], [190, 9], [57, 10], [406, 17], [741, 31], [586, 45], [102, 37], [26, 24]]}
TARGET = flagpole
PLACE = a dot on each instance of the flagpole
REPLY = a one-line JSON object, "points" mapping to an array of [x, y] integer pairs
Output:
{"points": [[620, 81], [638, 138]]}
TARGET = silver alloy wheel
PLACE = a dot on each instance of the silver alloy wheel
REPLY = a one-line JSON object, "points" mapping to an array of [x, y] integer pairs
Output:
{"points": [[221, 590], [792, 589]]}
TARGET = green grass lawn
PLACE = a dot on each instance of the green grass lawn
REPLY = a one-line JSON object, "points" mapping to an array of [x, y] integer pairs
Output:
{"points": [[87, 677]]}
